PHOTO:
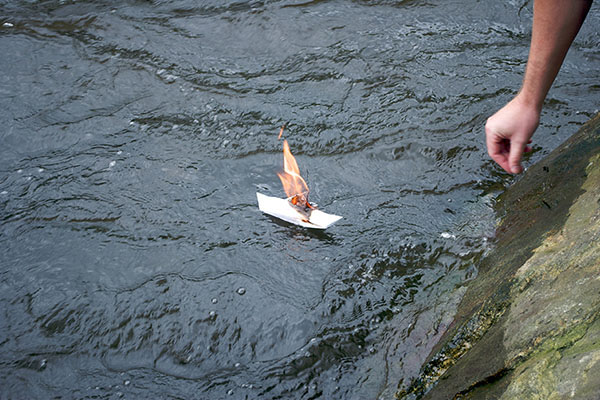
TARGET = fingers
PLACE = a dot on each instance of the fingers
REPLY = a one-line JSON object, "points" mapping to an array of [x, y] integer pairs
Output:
{"points": [[498, 147], [498, 151], [509, 131], [514, 158], [506, 153]]}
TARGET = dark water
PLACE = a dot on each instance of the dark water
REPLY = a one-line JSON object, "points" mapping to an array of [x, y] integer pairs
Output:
{"points": [[134, 260]]}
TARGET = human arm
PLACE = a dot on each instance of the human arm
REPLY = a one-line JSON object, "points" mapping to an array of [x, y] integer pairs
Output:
{"points": [[555, 25]]}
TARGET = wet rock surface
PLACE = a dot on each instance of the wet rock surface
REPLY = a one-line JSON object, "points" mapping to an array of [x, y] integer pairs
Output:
{"points": [[528, 326]]}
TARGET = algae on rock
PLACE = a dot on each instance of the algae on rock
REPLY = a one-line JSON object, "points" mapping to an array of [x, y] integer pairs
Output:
{"points": [[529, 325], [556, 304]]}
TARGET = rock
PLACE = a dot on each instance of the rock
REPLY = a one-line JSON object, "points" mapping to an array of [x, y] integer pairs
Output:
{"points": [[529, 326]]}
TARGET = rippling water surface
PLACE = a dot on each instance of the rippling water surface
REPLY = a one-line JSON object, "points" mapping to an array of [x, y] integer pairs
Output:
{"points": [[134, 135]]}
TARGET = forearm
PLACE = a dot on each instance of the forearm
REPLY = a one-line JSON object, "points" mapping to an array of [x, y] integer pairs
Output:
{"points": [[555, 25]]}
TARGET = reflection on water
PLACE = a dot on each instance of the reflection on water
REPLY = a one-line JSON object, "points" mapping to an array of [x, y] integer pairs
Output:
{"points": [[134, 259]]}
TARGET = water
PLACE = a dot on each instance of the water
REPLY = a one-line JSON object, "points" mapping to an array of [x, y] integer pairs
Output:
{"points": [[134, 261]]}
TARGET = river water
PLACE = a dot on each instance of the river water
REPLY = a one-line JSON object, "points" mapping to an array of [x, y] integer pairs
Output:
{"points": [[134, 261]]}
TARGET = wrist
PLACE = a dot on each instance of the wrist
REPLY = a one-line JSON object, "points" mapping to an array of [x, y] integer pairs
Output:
{"points": [[530, 100]]}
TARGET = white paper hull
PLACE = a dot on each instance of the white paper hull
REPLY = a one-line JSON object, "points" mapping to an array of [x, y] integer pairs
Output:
{"points": [[282, 209]]}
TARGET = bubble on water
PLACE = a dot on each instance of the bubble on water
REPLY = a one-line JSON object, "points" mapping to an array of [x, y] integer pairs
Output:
{"points": [[241, 291], [127, 382], [237, 365], [212, 314], [40, 170], [8, 25], [119, 152], [214, 300], [166, 77], [19, 171], [112, 164], [230, 392]]}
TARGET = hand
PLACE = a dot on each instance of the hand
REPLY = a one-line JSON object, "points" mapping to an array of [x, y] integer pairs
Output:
{"points": [[508, 133]]}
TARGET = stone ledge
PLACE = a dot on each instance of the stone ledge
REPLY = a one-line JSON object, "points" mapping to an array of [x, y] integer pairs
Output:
{"points": [[528, 326]]}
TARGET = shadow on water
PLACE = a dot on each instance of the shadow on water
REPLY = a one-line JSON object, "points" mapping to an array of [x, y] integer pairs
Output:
{"points": [[299, 233]]}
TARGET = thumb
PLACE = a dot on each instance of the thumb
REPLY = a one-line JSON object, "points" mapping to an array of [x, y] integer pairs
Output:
{"points": [[514, 157]]}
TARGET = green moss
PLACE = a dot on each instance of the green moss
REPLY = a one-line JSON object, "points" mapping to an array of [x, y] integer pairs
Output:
{"points": [[590, 344], [528, 326], [564, 341], [557, 360]]}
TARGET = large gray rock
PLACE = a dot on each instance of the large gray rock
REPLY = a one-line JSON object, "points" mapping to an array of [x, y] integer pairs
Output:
{"points": [[529, 325]]}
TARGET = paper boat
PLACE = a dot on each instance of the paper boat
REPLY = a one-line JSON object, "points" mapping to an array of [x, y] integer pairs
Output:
{"points": [[282, 209]]}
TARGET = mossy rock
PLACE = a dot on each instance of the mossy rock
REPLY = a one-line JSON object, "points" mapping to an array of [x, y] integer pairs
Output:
{"points": [[528, 326]]}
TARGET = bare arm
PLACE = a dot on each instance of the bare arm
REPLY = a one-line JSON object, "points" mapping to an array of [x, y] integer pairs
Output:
{"points": [[555, 25]]}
